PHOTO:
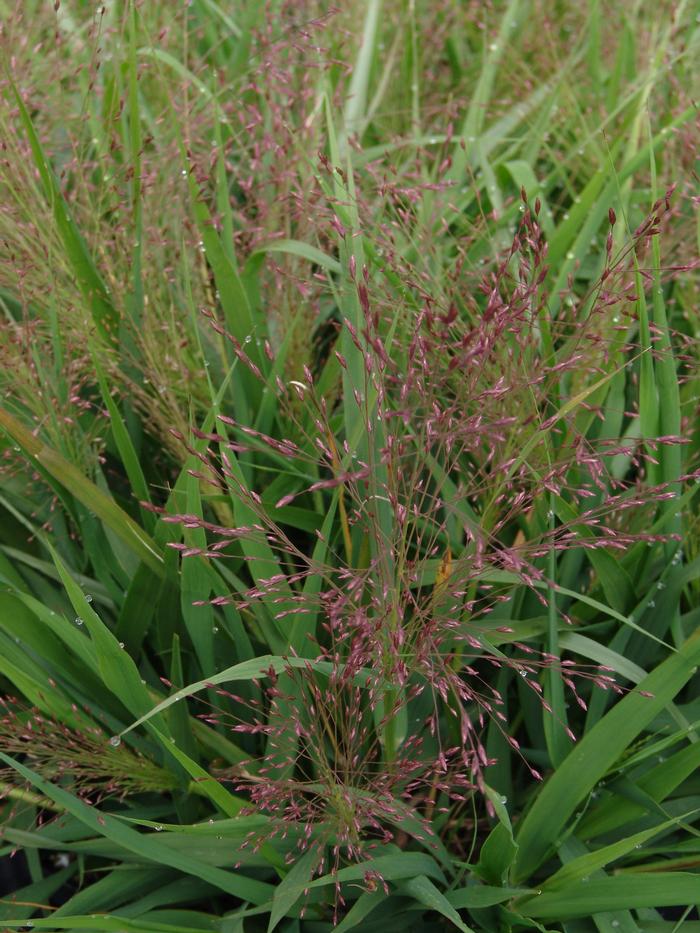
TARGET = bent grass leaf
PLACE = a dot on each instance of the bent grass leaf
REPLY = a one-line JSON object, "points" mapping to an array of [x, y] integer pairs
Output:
{"points": [[425, 892], [656, 784], [120, 675], [303, 251], [596, 752], [586, 865], [394, 867], [86, 492], [292, 887], [246, 670], [102, 823], [362, 907]]}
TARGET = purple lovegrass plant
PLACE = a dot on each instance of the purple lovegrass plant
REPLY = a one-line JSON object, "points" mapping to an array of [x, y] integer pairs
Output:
{"points": [[475, 465], [442, 435]]}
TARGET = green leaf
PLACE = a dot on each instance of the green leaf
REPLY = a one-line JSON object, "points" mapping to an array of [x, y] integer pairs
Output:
{"points": [[22, 903], [479, 896], [497, 856], [246, 670], [88, 278], [79, 486], [356, 103], [104, 923], [146, 846], [302, 251], [586, 865], [292, 887], [621, 892], [425, 892], [122, 439], [595, 754], [656, 784]]}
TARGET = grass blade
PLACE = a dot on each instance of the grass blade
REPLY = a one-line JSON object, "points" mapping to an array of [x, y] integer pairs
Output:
{"points": [[595, 753]]}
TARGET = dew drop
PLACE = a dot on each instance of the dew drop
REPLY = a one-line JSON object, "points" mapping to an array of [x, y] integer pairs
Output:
{"points": [[215, 629], [88, 598], [115, 741], [78, 620], [504, 800], [158, 829]]}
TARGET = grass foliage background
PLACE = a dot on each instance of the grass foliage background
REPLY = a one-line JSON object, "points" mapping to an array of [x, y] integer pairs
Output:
{"points": [[195, 199]]}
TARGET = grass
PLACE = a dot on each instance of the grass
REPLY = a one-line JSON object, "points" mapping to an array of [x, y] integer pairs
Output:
{"points": [[349, 545]]}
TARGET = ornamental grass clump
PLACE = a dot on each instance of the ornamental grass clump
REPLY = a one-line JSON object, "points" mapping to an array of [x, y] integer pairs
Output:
{"points": [[348, 553], [403, 592]]}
